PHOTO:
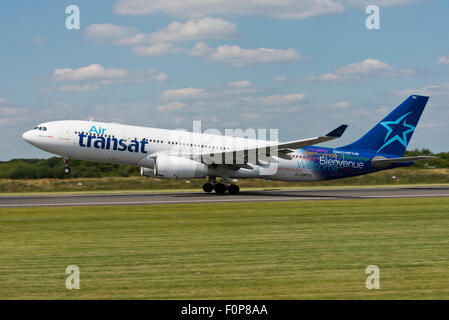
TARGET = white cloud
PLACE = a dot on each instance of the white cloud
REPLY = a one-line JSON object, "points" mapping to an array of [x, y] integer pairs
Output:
{"points": [[382, 3], [285, 9], [237, 94], [7, 111], [342, 105], [232, 55], [2, 100], [98, 74], [429, 90], [91, 72], [78, 88], [156, 50], [139, 76], [201, 29], [161, 42], [282, 99], [191, 30], [157, 76], [238, 57], [240, 84], [109, 32], [200, 49], [443, 59], [172, 106], [185, 93], [355, 71], [280, 79], [288, 9]]}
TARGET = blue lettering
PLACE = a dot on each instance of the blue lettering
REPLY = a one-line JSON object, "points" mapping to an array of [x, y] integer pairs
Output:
{"points": [[143, 142], [134, 146], [94, 129], [99, 143], [111, 143], [89, 139], [115, 141], [123, 145], [82, 135]]}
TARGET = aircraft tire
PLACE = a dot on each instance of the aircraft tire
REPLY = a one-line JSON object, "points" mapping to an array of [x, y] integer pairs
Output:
{"points": [[233, 189], [220, 188], [208, 187]]}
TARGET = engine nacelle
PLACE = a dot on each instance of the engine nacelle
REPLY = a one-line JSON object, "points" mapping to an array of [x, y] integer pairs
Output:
{"points": [[170, 167], [146, 172]]}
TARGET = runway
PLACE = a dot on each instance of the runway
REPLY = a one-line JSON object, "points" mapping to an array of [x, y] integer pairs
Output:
{"points": [[99, 199]]}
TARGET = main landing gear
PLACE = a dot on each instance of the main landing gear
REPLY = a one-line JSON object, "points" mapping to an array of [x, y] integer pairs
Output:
{"points": [[66, 164], [220, 188]]}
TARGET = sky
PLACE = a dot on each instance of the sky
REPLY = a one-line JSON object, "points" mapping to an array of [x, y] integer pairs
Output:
{"points": [[302, 67]]}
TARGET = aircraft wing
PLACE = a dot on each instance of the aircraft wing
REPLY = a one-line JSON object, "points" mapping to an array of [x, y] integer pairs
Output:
{"points": [[334, 134], [282, 149]]}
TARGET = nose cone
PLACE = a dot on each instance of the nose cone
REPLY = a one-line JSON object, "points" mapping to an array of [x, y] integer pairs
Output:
{"points": [[27, 136]]}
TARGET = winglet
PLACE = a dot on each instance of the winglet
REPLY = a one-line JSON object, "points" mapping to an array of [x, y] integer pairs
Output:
{"points": [[337, 133]]}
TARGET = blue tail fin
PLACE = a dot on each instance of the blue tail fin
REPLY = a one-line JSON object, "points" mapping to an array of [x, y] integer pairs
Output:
{"points": [[392, 135]]}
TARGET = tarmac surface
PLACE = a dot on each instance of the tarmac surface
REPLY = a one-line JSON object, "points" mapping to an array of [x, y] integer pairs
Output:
{"points": [[98, 199]]}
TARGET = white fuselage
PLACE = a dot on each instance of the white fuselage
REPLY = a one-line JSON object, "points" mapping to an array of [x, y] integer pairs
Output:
{"points": [[133, 145]]}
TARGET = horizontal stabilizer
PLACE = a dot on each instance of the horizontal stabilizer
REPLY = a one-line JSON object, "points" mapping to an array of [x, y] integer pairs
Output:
{"points": [[382, 161]]}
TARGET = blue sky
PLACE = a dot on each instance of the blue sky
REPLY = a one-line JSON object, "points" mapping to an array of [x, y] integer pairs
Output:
{"points": [[303, 67]]}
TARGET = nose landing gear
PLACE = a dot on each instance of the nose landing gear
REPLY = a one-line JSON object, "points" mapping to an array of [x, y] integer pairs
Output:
{"points": [[66, 164]]}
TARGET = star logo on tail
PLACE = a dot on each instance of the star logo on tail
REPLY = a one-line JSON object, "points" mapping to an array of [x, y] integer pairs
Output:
{"points": [[397, 131]]}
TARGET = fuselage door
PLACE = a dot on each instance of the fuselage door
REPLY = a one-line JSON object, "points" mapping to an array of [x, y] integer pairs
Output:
{"points": [[64, 133]]}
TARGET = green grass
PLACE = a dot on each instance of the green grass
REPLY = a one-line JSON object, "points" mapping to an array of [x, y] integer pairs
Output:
{"points": [[293, 250]]}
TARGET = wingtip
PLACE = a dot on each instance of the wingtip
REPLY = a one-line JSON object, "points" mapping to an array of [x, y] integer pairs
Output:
{"points": [[338, 132]]}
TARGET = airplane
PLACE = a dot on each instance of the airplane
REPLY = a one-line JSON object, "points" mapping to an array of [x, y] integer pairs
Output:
{"points": [[178, 154]]}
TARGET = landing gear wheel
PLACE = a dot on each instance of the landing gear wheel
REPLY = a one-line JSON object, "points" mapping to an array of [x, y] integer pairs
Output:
{"points": [[220, 188], [66, 165], [233, 189], [208, 187]]}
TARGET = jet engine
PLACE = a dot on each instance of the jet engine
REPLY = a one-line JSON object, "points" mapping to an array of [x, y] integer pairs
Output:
{"points": [[171, 167]]}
